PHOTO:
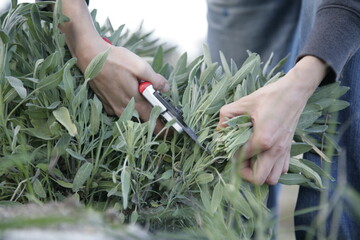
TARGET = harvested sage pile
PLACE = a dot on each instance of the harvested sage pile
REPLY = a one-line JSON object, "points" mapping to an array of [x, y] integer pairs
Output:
{"points": [[56, 142]]}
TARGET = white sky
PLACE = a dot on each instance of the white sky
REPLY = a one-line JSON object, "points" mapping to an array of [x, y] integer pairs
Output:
{"points": [[181, 22]]}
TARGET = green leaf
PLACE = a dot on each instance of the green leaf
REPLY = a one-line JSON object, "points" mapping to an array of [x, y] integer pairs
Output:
{"points": [[299, 148], [234, 196], [317, 169], [82, 175], [207, 56], [155, 113], [338, 105], [125, 185], [306, 120], [17, 84], [225, 64], [217, 197], [114, 38], [162, 148], [51, 81], [316, 129], [168, 174], [293, 179], [158, 60], [204, 178], [128, 112], [75, 155], [38, 188], [68, 79], [261, 192], [4, 37], [94, 118], [96, 64], [205, 197], [296, 166], [63, 116], [49, 64], [134, 217], [113, 191], [64, 184]]}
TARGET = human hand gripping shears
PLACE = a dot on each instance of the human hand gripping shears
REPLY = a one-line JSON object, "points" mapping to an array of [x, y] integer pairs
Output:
{"points": [[168, 111]]}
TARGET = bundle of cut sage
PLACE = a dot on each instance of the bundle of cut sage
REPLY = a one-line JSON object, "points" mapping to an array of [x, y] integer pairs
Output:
{"points": [[55, 140]]}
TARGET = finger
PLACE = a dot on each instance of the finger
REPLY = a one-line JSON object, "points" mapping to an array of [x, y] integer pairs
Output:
{"points": [[245, 170], [276, 171], [286, 164], [263, 167], [229, 111]]}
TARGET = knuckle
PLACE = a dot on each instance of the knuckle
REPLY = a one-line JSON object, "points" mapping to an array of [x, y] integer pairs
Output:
{"points": [[280, 148], [259, 179], [265, 142], [224, 111]]}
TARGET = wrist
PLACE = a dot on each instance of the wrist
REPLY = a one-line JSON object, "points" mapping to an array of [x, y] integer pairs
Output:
{"points": [[307, 75], [90, 49]]}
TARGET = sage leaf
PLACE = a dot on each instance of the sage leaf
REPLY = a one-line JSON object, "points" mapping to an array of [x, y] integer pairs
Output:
{"points": [[75, 155], [125, 185], [205, 197], [63, 117], [204, 178], [158, 60], [17, 84], [113, 191], [39, 189], [96, 64], [134, 217], [65, 184], [128, 112], [216, 197], [4, 37], [51, 81], [168, 174], [94, 118], [293, 179], [82, 175], [299, 148]]}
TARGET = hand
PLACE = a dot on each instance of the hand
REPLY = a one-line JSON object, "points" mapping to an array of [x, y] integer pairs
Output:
{"points": [[118, 81], [275, 110]]}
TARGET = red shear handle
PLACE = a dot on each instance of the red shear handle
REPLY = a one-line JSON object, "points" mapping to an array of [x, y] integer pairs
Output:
{"points": [[143, 86]]}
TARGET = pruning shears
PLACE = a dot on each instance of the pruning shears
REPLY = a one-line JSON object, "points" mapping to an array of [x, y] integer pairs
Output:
{"points": [[168, 111]]}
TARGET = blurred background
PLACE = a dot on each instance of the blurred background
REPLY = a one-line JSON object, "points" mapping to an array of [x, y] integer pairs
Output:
{"points": [[180, 23]]}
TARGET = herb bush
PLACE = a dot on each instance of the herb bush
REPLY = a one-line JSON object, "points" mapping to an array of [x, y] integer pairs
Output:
{"points": [[56, 141]]}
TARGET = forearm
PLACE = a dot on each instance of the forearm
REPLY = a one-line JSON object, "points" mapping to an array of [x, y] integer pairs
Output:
{"points": [[80, 33], [307, 75]]}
